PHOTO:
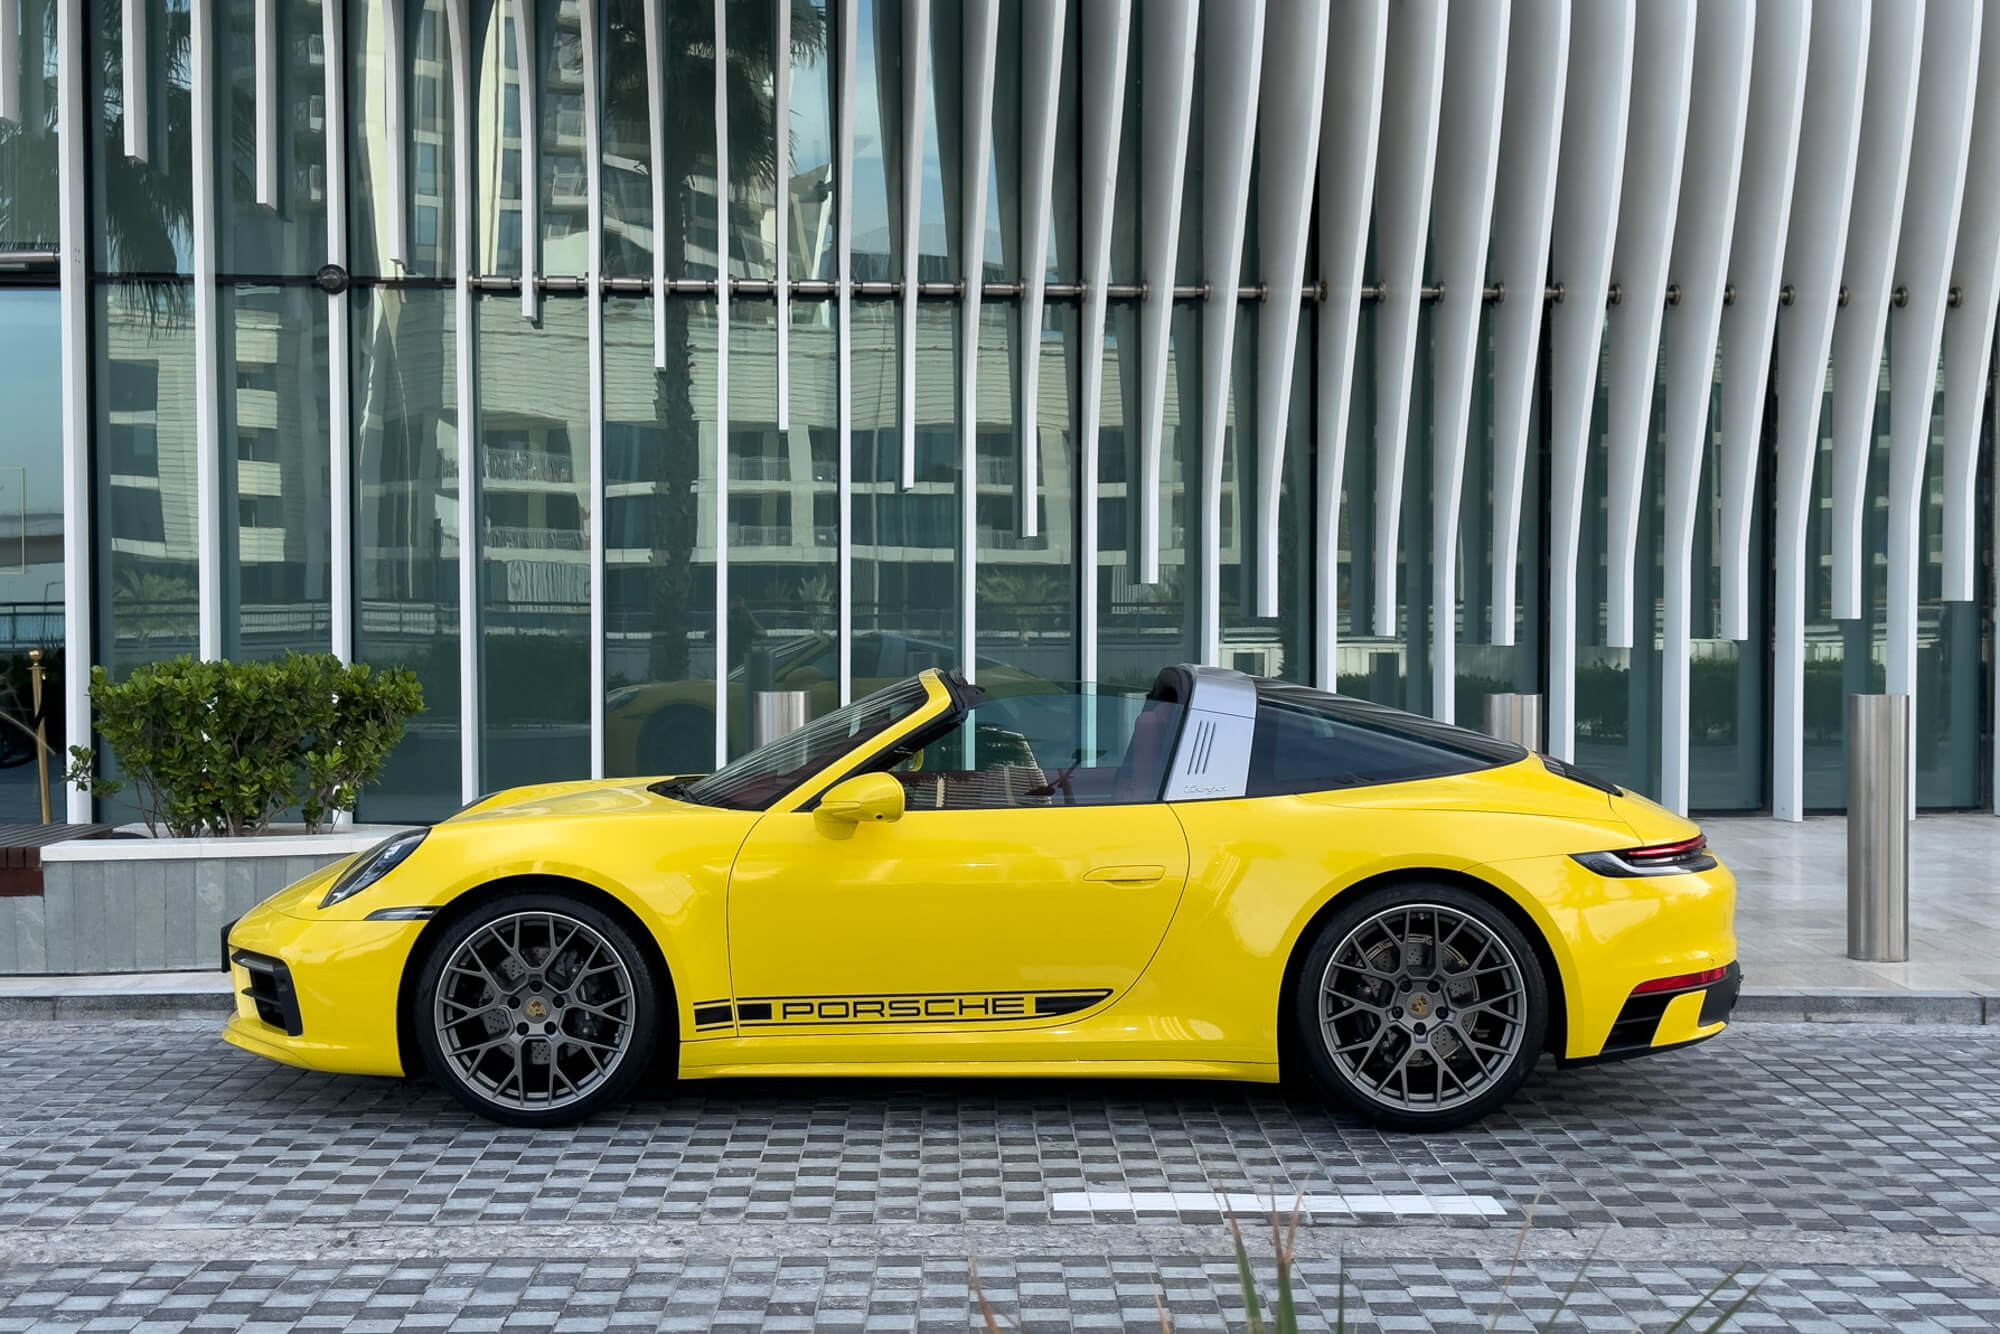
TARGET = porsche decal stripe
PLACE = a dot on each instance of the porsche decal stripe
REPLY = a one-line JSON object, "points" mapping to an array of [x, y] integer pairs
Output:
{"points": [[895, 1008]]}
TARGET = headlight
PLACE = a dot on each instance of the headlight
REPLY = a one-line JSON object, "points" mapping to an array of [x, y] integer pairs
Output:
{"points": [[372, 865]]}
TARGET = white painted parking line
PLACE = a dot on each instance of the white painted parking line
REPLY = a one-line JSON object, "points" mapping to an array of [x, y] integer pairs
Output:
{"points": [[1253, 1202]]}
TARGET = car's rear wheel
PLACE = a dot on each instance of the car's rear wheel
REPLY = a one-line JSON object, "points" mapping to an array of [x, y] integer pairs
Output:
{"points": [[536, 1009], [1422, 1007]]}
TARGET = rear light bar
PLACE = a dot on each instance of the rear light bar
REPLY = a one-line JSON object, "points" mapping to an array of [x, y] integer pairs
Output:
{"points": [[1690, 854], [1682, 981]]}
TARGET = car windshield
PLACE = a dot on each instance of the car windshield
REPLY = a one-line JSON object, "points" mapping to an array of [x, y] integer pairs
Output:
{"points": [[754, 781]]}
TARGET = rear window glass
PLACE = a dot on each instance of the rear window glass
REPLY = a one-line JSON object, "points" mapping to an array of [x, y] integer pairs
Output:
{"points": [[1309, 741]]}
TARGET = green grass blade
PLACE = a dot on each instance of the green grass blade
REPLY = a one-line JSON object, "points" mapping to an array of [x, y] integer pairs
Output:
{"points": [[1252, 1310]]}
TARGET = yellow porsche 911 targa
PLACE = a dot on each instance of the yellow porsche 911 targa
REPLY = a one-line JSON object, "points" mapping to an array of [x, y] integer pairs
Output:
{"points": [[1221, 878]]}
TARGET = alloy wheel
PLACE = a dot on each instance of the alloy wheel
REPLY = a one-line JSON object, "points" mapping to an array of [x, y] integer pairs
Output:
{"points": [[1422, 1007], [534, 1011]]}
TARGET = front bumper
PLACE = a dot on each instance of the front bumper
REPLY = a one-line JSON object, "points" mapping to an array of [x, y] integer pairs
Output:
{"points": [[318, 992]]}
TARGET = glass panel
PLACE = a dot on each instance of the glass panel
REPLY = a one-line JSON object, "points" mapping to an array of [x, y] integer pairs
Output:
{"points": [[784, 513], [1026, 616], [753, 154], [1618, 689], [1841, 657], [31, 545], [1728, 717], [878, 119], [565, 199], [427, 141], [141, 214], [1144, 627], [291, 236], [809, 212], [659, 579], [276, 512], [1279, 646], [142, 393], [28, 192], [497, 111], [626, 136], [1483, 667], [906, 578], [534, 516], [1390, 669], [406, 532], [1954, 736]]}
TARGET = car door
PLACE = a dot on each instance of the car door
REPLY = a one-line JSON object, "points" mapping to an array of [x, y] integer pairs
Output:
{"points": [[1010, 890]]}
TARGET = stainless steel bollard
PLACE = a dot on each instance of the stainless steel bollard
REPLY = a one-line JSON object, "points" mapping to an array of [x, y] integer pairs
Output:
{"points": [[1516, 718], [1878, 828], [779, 712]]}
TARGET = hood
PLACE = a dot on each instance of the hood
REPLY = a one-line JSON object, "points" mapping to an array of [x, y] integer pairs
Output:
{"points": [[610, 796]]}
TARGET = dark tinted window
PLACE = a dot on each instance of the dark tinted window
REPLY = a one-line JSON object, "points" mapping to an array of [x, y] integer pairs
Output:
{"points": [[1307, 741]]}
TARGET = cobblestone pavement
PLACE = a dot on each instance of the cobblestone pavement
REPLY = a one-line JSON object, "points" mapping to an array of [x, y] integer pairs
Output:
{"points": [[153, 1179]]}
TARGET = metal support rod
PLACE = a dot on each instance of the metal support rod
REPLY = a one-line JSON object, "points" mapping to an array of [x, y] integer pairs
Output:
{"points": [[41, 731]]}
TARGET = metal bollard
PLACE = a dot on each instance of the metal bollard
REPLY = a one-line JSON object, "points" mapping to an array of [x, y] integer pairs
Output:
{"points": [[780, 712], [1516, 718], [1878, 828]]}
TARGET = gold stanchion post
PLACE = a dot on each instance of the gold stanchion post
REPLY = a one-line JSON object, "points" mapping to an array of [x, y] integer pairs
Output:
{"points": [[41, 728]]}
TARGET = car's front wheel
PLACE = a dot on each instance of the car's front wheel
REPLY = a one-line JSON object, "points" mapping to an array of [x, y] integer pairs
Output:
{"points": [[1422, 1007], [535, 1009]]}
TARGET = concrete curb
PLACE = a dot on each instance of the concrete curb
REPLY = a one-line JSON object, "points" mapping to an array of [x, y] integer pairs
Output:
{"points": [[1771, 1005]]}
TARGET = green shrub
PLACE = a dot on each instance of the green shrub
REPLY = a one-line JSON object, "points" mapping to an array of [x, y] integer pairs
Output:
{"points": [[225, 747]]}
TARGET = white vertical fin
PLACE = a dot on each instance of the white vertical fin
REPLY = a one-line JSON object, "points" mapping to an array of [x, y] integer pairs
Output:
{"points": [[1523, 222], [340, 371], [1404, 177], [72, 170], [1350, 132], [459, 36], [265, 36], [1655, 142], [135, 70], [1930, 233], [1757, 272], [593, 106], [1166, 83], [1041, 73], [207, 332], [1933, 231], [916, 53], [10, 60], [1288, 114], [523, 14], [843, 206], [979, 46], [1468, 160], [720, 459], [1592, 178], [1703, 231], [656, 126], [1969, 325], [1106, 43], [1868, 273], [396, 135], [1233, 40], [781, 145], [1815, 244]]}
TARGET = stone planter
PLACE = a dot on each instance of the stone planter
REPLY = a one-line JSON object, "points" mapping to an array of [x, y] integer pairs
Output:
{"points": [[125, 905]]}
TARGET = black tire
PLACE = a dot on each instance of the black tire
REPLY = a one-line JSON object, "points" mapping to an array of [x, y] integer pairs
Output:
{"points": [[1389, 1007], [584, 1030]]}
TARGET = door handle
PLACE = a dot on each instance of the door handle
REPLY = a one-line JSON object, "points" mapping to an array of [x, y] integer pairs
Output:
{"points": [[1127, 875]]}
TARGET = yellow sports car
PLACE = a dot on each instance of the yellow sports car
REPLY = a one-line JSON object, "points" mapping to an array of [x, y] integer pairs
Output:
{"points": [[1222, 878]]}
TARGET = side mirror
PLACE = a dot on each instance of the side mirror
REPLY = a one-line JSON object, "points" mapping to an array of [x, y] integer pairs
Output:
{"points": [[863, 799]]}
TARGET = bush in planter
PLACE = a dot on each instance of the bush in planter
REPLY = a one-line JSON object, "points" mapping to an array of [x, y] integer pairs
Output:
{"points": [[224, 747]]}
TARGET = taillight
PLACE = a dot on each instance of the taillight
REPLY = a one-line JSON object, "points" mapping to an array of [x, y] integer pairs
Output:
{"points": [[1680, 858], [1682, 981]]}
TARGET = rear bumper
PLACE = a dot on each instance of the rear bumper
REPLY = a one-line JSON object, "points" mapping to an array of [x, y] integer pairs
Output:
{"points": [[1666, 1020]]}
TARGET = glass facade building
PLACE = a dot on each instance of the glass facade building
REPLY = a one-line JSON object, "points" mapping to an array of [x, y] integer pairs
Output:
{"points": [[606, 362]]}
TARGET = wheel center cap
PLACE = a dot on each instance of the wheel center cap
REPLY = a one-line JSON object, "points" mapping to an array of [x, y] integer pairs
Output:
{"points": [[536, 1008], [1420, 1005]]}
